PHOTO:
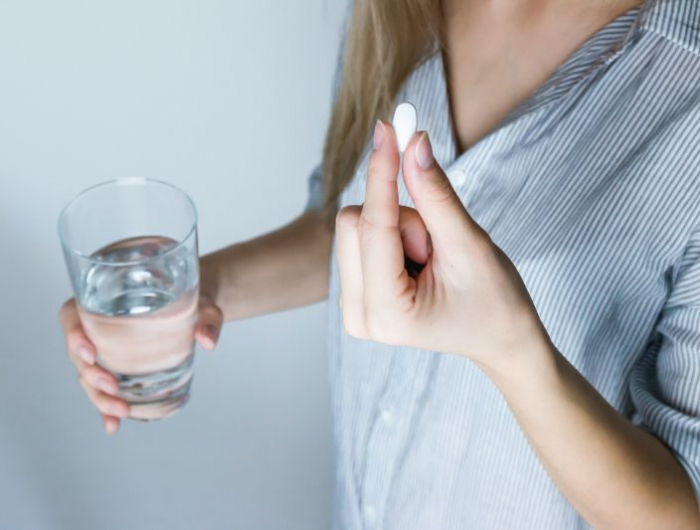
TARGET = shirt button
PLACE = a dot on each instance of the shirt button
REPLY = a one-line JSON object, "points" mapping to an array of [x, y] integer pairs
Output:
{"points": [[457, 177], [388, 416], [370, 515]]}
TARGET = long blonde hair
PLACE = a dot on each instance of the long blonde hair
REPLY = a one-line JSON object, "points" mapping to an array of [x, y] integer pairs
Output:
{"points": [[386, 40]]}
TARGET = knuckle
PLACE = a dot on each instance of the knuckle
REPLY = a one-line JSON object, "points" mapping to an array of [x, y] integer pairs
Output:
{"points": [[83, 369], [367, 229], [65, 310], [102, 405], [347, 218], [373, 167], [211, 311], [376, 324], [351, 327], [351, 318], [369, 222], [384, 326], [74, 335], [65, 307], [441, 191], [481, 245], [90, 372], [84, 384]]}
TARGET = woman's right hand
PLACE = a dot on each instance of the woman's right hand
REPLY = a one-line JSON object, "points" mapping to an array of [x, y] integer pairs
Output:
{"points": [[100, 385]]}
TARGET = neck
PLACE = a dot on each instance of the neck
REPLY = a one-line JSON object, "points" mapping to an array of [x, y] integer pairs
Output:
{"points": [[524, 11], [498, 52]]}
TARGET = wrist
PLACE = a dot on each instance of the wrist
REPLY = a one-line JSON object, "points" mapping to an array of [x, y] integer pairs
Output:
{"points": [[209, 280], [536, 360]]}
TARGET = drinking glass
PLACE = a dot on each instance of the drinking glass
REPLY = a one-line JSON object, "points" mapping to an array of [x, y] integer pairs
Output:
{"points": [[131, 249]]}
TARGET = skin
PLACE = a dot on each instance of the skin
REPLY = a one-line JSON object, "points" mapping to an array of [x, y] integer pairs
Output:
{"points": [[286, 268], [468, 299]]}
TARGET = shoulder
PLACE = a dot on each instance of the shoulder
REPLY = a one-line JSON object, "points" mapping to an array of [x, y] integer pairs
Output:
{"points": [[677, 21]]}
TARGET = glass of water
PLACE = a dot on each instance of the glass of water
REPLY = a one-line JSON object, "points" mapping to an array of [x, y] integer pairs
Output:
{"points": [[131, 250]]}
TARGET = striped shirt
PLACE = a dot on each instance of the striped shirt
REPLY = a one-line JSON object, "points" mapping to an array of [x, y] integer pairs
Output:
{"points": [[592, 188]]}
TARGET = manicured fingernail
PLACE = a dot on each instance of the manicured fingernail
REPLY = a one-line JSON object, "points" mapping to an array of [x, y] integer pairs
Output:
{"points": [[378, 137], [120, 411], [85, 354], [209, 333], [106, 386], [424, 152]]}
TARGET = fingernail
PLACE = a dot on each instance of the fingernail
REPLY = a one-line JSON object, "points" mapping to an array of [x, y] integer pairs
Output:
{"points": [[85, 354], [209, 333], [378, 137], [110, 427], [424, 152], [120, 411], [106, 386]]}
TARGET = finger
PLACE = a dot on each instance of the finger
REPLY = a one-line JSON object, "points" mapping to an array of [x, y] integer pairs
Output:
{"points": [[382, 257], [381, 206], [106, 404], [111, 423], [99, 378], [414, 235], [433, 195], [350, 270], [77, 342], [208, 328]]}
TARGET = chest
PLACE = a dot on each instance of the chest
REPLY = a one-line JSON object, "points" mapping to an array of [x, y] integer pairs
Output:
{"points": [[495, 61], [574, 194]]}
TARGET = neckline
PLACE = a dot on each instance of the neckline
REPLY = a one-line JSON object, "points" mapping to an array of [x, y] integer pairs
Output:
{"points": [[602, 48]]}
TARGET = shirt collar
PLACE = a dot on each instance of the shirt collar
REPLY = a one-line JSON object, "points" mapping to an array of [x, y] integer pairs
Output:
{"points": [[428, 87], [677, 20]]}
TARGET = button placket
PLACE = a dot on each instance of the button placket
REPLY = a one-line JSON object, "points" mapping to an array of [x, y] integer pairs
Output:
{"points": [[457, 177], [394, 411], [388, 415], [370, 515], [385, 443]]}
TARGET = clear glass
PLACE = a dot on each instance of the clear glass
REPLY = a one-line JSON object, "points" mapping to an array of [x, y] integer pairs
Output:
{"points": [[131, 250]]}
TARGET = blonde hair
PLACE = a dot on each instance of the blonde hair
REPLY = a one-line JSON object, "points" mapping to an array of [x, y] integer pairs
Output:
{"points": [[386, 40]]}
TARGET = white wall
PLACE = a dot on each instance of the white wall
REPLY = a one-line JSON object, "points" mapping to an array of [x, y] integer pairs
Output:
{"points": [[229, 101]]}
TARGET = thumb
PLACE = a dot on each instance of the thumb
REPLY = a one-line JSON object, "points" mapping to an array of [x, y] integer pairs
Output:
{"points": [[209, 325], [435, 199]]}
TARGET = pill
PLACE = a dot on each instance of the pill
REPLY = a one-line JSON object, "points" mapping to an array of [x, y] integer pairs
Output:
{"points": [[404, 124]]}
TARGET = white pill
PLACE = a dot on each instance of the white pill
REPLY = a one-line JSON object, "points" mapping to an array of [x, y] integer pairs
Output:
{"points": [[404, 124]]}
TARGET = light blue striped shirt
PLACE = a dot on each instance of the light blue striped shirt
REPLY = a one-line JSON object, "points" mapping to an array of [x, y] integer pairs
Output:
{"points": [[592, 188]]}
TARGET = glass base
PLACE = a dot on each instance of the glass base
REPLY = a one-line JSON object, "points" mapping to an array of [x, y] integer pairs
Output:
{"points": [[157, 395]]}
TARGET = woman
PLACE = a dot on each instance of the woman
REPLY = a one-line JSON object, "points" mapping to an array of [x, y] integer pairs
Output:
{"points": [[521, 308]]}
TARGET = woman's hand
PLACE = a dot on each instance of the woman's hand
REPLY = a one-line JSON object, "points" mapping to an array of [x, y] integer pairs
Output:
{"points": [[98, 383], [467, 299]]}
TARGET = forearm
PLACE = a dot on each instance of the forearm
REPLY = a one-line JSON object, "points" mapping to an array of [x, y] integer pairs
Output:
{"points": [[615, 474], [283, 269]]}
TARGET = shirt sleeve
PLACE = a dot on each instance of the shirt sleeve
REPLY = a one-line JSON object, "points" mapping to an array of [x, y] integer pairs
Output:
{"points": [[665, 383], [316, 190]]}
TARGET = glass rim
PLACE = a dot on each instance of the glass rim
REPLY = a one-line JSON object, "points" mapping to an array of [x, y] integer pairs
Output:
{"points": [[124, 181]]}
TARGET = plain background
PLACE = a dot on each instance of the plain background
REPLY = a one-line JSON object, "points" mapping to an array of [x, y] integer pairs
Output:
{"points": [[229, 101]]}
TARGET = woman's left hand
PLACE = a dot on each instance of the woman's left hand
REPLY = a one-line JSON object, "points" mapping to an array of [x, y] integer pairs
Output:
{"points": [[468, 299]]}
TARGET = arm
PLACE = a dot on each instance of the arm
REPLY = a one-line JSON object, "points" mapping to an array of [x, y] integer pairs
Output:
{"points": [[283, 269], [286, 268], [615, 474], [469, 300]]}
